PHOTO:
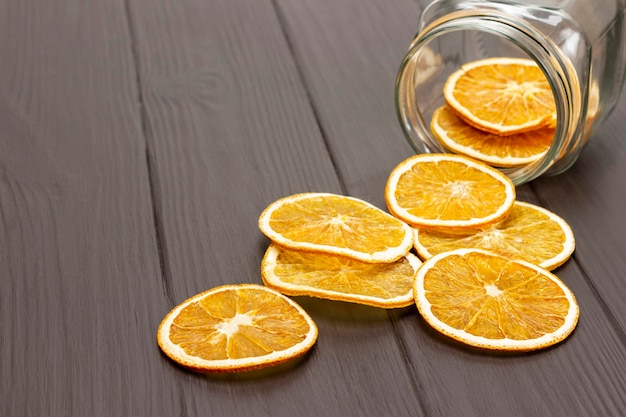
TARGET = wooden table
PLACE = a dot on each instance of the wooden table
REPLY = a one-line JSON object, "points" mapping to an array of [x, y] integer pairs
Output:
{"points": [[139, 142]]}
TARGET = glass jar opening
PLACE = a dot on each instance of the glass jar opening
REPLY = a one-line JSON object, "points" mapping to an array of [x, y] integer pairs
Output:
{"points": [[443, 48]]}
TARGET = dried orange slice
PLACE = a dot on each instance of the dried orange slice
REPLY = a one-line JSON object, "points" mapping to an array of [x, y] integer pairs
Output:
{"points": [[528, 232], [501, 151], [501, 95], [238, 327], [336, 224], [489, 301], [447, 190], [334, 277]]}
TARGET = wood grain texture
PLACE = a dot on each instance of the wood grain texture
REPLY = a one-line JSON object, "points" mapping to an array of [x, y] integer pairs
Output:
{"points": [[349, 56], [231, 129], [582, 376], [592, 197], [139, 142], [81, 286], [452, 379]]}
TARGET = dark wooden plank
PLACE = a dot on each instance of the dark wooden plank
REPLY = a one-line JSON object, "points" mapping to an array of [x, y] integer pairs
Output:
{"points": [[230, 130], [81, 286], [232, 127], [583, 376], [349, 56], [592, 197]]}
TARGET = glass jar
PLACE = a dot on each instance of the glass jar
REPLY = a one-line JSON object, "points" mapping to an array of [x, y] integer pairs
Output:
{"points": [[580, 45]]}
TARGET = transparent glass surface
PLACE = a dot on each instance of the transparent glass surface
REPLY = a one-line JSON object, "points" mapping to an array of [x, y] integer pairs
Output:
{"points": [[579, 45]]}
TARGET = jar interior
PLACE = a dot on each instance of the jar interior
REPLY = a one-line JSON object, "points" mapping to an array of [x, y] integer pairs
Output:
{"points": [[428, 68]]}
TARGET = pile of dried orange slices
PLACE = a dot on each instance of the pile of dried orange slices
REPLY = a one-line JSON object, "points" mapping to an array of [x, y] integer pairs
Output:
{"points": [[498, 110], [482, 271], [322, 245], [485, 279], [339, 248]]}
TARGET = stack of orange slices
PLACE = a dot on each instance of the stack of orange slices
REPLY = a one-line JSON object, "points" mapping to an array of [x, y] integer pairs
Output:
{"points": [[339, 248], [322, 245], [485, 279], [498, 110]]}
